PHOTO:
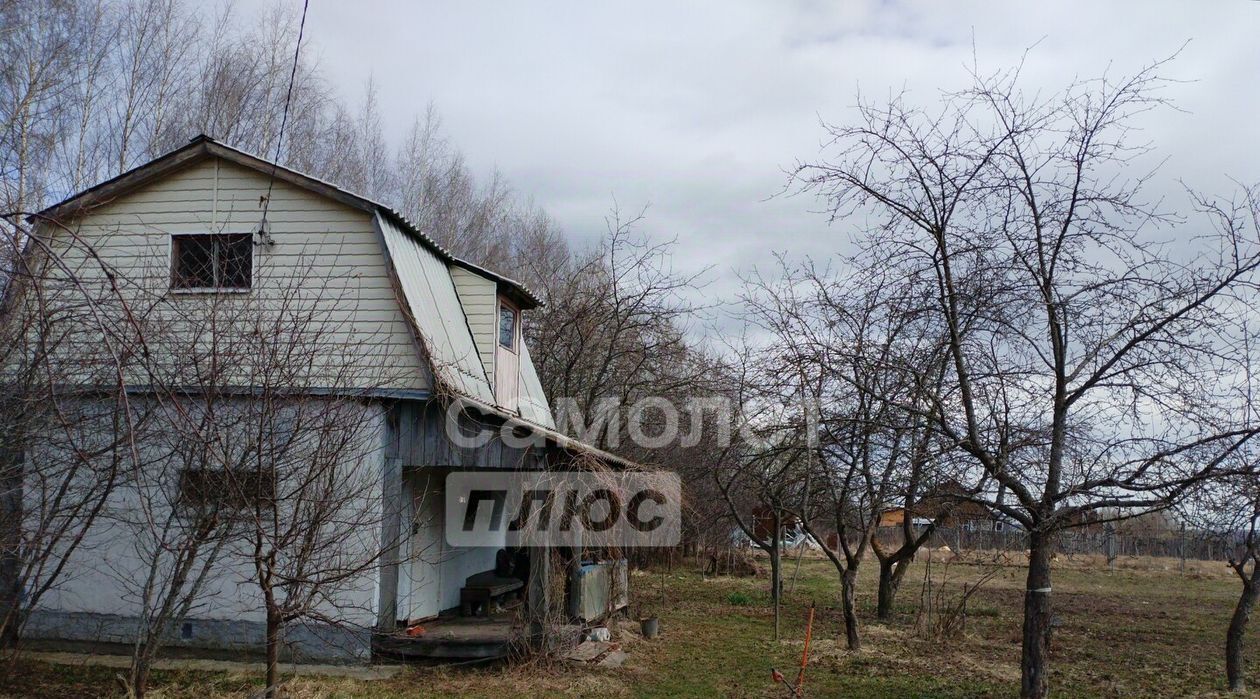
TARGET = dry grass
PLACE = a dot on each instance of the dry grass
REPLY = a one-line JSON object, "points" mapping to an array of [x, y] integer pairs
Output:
{"points": [[1142, 629]]}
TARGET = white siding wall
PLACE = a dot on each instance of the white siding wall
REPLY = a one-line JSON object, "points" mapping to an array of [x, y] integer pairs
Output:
{"points": [[326, 263], [105, 574], [480, 300]]}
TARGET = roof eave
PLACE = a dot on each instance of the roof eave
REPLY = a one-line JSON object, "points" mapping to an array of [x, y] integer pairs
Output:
{"points": [[560, 439]]}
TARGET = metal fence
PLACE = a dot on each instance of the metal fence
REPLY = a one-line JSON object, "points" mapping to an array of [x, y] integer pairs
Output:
{"points": [[1103, 541]]}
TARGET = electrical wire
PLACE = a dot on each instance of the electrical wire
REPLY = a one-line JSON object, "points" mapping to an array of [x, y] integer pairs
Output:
{"points": [[284, 118]]}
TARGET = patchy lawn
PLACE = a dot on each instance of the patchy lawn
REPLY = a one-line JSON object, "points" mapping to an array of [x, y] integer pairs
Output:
{"points": [[1145, 629]]}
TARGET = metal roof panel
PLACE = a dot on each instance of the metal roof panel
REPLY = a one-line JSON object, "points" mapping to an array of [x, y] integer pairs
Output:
{"points": [[434, 305], [532, 401]]}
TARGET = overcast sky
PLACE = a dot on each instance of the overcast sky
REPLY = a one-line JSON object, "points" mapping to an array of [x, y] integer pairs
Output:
{"points": [[696, 108]]}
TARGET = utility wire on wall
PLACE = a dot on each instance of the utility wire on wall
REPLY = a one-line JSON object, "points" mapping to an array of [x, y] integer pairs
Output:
{"points": [[284, 120]]}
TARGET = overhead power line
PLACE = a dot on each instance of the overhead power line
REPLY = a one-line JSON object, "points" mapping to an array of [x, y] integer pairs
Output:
{"points": [[284, 117]]}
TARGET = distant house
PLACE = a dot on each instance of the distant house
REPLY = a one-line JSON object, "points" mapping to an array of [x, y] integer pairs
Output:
{"points": [[950, 505], [1160, 524], [763, 520], [893, 517], [186, 226]]}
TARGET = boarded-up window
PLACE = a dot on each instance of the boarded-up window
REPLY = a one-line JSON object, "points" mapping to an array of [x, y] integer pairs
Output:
{"points": [[235, 490], [215, 261]]}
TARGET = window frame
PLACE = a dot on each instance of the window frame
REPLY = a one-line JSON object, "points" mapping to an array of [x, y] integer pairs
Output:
{"points": [[170, 276], [516, 327], [228, 503]]}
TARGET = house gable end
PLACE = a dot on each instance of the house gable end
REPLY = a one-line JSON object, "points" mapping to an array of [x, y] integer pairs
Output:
{"points": [[320, 256]]}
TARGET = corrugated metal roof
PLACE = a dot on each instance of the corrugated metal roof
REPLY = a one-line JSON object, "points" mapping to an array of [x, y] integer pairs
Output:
{"points": [[532, 401], [433, 302]]}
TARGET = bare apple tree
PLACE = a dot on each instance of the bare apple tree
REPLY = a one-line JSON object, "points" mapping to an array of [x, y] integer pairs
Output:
{"points": [[757, 466], [1243, 503], [1228, 510], [858, 344], [178, 533], [1084, 352]]}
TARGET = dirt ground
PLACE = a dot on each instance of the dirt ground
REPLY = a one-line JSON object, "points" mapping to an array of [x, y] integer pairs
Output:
{"points": [[1146, 628]]}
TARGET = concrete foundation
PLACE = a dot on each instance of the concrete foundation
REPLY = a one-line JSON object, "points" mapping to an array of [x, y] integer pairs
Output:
{"points": [[209, 637]]}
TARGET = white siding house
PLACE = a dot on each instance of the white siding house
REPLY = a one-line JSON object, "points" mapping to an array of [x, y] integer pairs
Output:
{"points": [[399, 325], [332, 249]]}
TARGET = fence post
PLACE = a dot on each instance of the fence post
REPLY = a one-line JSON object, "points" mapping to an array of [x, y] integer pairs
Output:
{"points": [[1109, 533], [1181, 545]]}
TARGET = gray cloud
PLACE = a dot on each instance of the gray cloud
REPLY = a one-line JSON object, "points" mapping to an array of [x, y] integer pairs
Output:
{"points": [[696, 108]]}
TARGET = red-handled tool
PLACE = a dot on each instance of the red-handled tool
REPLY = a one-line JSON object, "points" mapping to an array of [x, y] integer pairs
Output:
{"points": [[795, 690]]}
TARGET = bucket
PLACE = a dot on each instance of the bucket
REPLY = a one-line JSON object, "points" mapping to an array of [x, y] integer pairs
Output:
{"points": [[650, 626]]}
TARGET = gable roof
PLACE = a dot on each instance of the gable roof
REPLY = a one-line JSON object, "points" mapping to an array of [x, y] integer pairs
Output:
{"points": [[203, 146], [420, 264]]}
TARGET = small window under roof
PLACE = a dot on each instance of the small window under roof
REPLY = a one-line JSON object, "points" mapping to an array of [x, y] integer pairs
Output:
{"points": [[212, 261], [508, 318]]}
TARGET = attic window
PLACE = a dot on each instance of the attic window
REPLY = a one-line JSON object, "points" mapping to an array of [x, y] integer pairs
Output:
{"points": [[215, 261], [508, 317]]}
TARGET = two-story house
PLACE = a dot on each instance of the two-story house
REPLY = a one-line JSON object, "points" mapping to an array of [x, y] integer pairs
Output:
{"points": [[405, 329]]}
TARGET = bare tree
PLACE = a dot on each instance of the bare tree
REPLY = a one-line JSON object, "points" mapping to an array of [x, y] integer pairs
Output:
{"points": [[37, 51], [149, 62], [1245, 562], [615, 332], [926, 466], [858, 345], [69, 427], [760, 470], [179, 532], [758, 493], [1228, 510], [313, 540], [1083, 356], [295, 453]]}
